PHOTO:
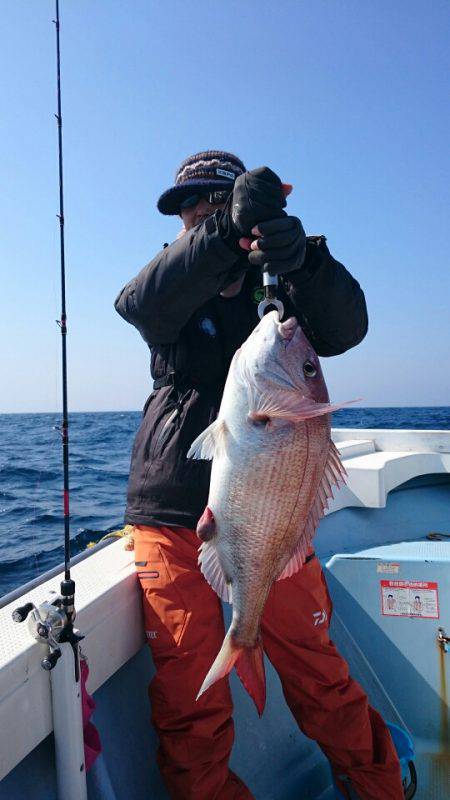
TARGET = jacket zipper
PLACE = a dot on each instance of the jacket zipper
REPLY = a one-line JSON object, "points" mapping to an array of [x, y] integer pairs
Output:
{"points": [[171, 418]]}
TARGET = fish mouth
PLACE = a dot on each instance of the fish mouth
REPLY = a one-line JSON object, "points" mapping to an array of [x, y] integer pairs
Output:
{"points": [[288, 328]]}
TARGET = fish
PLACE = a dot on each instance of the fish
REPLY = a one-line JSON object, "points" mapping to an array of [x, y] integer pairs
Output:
{"points": [[274, 467]]}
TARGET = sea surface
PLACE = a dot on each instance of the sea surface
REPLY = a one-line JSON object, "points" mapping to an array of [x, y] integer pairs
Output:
{"points": [[31, 519]]}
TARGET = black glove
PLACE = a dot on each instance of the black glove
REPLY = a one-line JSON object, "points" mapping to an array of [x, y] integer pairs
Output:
{"points": [[281, 246], [257, 196]]}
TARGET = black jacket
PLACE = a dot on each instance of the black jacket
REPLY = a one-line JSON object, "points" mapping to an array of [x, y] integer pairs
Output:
{"points": [[193, 333]]}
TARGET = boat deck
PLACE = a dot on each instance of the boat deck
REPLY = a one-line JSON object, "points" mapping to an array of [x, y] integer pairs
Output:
{"points": [[398, 491]]}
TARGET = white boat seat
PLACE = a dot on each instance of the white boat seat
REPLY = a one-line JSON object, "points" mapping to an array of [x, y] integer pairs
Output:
{"points": [[355, 447], [372, 476]]}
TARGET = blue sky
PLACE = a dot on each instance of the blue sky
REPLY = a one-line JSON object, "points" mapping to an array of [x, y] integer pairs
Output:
{"points": [[346, 99]]}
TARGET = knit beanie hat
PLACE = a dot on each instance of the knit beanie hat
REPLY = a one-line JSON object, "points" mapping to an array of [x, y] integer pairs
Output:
{"points": [[212, 169]]}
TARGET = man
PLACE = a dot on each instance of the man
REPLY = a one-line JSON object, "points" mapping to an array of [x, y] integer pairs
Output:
{"points": [[194, 305]]}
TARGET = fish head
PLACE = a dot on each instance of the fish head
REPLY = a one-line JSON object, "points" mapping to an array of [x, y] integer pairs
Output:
{"points": [[277, 355]]}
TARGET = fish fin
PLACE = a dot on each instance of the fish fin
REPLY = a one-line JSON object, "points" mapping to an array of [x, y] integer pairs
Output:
{"points": [[211, 568], [333, 475], [206, 526], [288, 404], [249, 663], [211, 441], [297, 558], [223, 664], [250, 668], [338, 476]]}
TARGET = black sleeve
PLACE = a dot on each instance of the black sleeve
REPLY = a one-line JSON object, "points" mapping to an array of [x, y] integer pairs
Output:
{"points": [[180, 279], [329, 302]]}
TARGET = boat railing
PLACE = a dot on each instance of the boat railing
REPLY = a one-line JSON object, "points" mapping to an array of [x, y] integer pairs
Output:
{"points": [[56, 570]]}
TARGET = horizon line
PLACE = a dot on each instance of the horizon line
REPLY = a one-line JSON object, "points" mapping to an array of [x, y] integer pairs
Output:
{"points": [[139, 410]]}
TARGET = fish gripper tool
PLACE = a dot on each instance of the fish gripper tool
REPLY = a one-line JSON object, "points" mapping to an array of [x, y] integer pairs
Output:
{"points": [[270, 301]]}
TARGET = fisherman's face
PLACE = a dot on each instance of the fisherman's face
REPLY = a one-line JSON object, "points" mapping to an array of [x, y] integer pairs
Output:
{"points": [[196, 214]]}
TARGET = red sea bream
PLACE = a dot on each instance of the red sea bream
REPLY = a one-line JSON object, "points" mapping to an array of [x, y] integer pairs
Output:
{"points": [[273, 469]]}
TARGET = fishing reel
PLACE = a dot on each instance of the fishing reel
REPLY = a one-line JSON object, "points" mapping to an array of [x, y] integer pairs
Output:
{"points": [[50, 623]]}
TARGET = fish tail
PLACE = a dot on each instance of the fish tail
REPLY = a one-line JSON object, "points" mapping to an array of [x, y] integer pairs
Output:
{"points": [[224, 663], [249, 663], [250, 668]]}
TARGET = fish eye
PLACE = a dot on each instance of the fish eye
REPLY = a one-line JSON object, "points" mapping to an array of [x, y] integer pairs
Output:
{"points": [[309, 369]]}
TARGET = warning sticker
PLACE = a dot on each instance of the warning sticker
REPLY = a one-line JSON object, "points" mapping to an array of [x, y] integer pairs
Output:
{"points": [[410, 599], [394, 569]]}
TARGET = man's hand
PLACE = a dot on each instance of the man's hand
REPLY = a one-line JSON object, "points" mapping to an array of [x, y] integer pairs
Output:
{"points": [[280, 246], [257, 196]]}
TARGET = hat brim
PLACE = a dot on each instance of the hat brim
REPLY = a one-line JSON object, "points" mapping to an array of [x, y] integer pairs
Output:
{"points": [[169, 202]]}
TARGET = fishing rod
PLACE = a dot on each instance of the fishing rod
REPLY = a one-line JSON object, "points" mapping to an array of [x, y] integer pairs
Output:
{"points": [[51, 622], [67, 585], [66, 602]]}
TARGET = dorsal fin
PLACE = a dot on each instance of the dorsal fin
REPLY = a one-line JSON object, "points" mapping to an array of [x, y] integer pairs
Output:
{"points": [[333, 475]]}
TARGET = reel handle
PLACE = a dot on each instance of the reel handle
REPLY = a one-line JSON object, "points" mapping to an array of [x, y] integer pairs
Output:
{"points": [[21, 613]]}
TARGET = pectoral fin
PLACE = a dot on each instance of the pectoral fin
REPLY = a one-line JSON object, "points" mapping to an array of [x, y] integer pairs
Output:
{"points": [[289, 405]]}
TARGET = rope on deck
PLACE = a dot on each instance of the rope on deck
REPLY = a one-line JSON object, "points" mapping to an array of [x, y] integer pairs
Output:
{"points": [[125, 533]]}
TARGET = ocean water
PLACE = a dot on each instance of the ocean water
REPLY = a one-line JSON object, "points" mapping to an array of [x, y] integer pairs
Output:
{"points": [[31, 519]]}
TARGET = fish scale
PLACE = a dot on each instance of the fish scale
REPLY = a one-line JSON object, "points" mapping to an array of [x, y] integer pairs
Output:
{"points": [[275, 518], [273, 469]]}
